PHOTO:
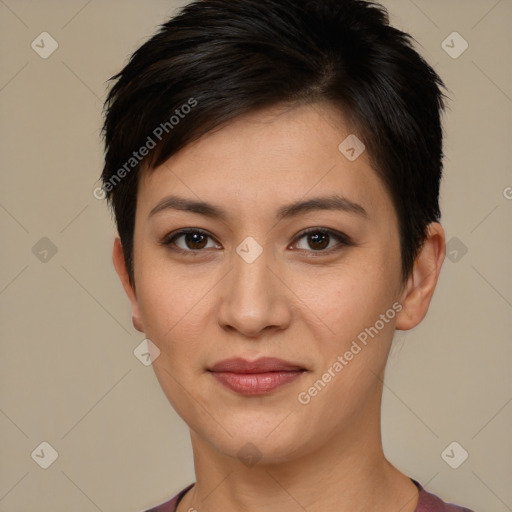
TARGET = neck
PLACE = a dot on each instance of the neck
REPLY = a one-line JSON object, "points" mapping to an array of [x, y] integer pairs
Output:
{"points": [[347, 473]]}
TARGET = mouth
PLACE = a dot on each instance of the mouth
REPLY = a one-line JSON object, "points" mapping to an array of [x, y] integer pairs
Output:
{"points": [[257, 377]]}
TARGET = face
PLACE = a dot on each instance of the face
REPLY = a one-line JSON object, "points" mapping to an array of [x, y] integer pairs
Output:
{"points": [[295, 255]]}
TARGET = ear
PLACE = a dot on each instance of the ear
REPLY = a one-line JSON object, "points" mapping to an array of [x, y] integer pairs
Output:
{"points": [[122, 272], [418, 292]]}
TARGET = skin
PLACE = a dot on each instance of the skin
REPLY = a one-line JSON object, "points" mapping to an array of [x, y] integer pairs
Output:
{"points": [[301, 300]]}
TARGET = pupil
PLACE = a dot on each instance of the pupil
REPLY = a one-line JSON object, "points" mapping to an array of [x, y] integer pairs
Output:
{"points": [[319, 238], [194, 239]]}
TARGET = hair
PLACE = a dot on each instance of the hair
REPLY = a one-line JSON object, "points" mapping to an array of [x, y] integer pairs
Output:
{"points": [[219, 59]]}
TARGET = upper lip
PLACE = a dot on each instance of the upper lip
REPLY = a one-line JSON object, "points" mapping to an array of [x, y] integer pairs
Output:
{"points": [[261, 365]]}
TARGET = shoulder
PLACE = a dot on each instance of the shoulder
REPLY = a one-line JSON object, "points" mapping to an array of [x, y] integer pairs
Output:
{"points": [[431, 503], [170, 506], [427, 502]]}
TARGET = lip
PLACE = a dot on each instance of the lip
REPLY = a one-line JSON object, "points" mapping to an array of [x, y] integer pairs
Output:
{"points": [[258, 377]]}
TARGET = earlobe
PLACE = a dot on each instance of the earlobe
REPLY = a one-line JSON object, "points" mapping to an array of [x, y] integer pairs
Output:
{"points": [[121, 269], [422, 282]]}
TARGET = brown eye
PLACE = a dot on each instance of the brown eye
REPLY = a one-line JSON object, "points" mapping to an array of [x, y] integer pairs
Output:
{"points": [[189, 240], [195, 241], [318, 240], [321, 240]]}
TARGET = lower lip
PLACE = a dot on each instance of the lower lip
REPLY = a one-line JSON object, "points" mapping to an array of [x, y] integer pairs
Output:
{"points": [[255, 383]]}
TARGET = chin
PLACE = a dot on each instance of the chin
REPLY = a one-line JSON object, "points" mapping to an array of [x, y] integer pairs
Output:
{"points": [[269, 442], [252, 450]]}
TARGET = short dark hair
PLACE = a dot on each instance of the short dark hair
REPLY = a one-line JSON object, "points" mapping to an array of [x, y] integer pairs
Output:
{"points": [[223, 58]]}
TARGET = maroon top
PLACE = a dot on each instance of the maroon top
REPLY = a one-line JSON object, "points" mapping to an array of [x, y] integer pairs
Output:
{"points": [[427, 502]]}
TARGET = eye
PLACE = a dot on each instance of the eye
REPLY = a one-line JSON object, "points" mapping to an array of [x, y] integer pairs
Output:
{"points": [[319, 240], [192, 240]]}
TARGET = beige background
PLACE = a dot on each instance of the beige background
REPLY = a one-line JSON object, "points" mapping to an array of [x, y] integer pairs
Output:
{"points": [[68, 373]]}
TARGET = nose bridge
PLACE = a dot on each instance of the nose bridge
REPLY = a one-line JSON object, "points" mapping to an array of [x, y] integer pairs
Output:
{"points": [[252, 298], [250, 283]]}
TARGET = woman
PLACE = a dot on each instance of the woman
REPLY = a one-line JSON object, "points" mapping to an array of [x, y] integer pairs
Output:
{"points": [[274, 170]]}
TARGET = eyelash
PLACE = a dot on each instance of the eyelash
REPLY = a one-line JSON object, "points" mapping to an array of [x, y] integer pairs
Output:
{"points": [[343, 240]]}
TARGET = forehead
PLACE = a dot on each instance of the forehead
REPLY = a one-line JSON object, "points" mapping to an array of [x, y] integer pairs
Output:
{"points": [[269, 157]]}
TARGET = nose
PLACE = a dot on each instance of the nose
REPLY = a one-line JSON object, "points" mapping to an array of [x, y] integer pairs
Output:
{"points": [[254, 300]]}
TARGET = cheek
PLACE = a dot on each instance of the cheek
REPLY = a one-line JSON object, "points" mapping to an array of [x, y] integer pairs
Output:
{"points": [[173, 302], [350, 297]]}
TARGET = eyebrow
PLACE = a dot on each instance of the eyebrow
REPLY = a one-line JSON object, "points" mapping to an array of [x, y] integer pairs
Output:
{"points": [[333, 202]]}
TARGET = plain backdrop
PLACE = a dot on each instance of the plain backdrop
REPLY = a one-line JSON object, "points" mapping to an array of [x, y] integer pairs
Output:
{"points": [[68, 373]]}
